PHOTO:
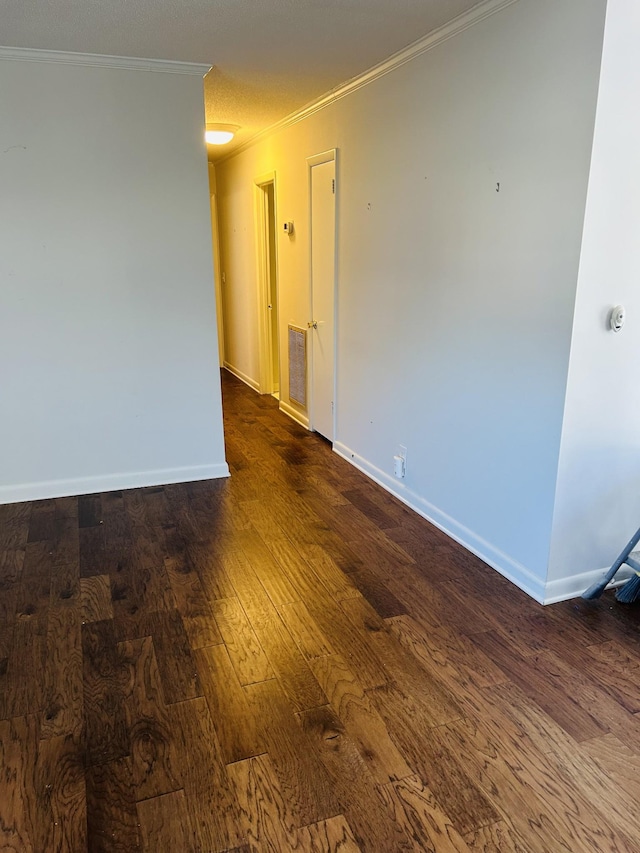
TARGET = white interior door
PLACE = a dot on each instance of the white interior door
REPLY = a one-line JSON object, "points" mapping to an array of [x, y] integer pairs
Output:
{"points": [[322, 332]]}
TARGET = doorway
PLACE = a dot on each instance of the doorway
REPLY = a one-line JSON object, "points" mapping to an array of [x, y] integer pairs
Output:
{"points": [[268, 326], [322, 192]]}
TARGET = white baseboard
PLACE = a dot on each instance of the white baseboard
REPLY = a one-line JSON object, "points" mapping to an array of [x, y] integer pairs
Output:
{"points": [[294, 414], [501, 562], [544, 592], [574, 585], [110, 483], [242, 376]]}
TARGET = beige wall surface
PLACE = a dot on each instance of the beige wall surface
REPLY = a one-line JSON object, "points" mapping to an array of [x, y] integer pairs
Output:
{"points": [[107, 314], [462, 181]]}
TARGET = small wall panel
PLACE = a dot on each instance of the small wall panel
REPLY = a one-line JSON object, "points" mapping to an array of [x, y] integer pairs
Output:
{"points": [[298, 365]]}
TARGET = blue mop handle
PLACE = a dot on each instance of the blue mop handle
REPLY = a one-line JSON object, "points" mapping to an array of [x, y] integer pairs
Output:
{"points": [[598, 588]]}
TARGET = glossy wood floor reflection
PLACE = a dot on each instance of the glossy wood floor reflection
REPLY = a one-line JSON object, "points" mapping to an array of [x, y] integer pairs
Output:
{"points": [[292, 660]]}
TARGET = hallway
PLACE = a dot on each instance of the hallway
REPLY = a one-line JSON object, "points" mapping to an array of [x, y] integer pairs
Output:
{"points": [[290, 659]]}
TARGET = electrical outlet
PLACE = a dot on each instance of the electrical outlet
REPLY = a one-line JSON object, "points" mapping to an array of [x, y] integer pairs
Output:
{"points": [[400, 462]]}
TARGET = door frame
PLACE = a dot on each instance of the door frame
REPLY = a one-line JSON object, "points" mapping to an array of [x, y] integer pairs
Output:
{"points": [[267, 380], [217, 276], [317, 160]]}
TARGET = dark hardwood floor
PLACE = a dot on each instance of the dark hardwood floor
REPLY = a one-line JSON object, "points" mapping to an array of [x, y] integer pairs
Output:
{"points": [[292, 660]]}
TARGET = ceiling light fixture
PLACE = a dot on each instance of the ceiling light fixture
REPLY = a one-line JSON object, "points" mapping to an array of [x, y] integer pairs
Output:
{"points": [[220, 134]]}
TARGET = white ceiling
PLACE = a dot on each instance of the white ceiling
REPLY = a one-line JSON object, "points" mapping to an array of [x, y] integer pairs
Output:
{"points": [[271, 57]]}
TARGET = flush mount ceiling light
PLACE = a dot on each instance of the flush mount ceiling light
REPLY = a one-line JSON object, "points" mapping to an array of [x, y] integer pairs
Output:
{"points": [[220, 134]]}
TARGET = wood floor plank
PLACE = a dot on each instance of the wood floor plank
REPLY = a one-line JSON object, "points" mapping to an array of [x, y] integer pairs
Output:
{"points": [[188, 592], [32, 604], [235, 721], [164, 822], [16, 737], [206, 560], [93, 559], [304, 630], [417, 808], [62, 701], [105, 677], [263, 520], [41, 522], [11, 561], [212, 810], [175, 662], [112, 819], [246, 653], [305, 786], [150, 737], [513, 711], [117, 533], [14, 533], [616, 669], [61, 824], [42, 790], [617, 761], [287, 661], [529, 629], [66, 563], [9, 596], [379, 597], [329, 836], [568, 761], [24, 688], [453, 786], [157, 507], [351, 524], [416, 678], [496, 838], [202, 631], [265, 818], [275, 582], [354, 643], [329, 617], [291, 559], [306, 528], [457, 660], [373, 824], [535, 787], [89, 510], [192, 604], [533, 676], [4, 663], [328, 566], [361, 720], [371, 508], [95, 599]]}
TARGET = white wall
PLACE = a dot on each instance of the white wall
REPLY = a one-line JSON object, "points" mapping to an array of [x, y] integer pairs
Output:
{"points": [[108, 354], [455, 302], [598, 497]]}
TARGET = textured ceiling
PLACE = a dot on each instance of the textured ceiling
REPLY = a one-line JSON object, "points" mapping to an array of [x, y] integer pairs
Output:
{"points": [[271, 57]]}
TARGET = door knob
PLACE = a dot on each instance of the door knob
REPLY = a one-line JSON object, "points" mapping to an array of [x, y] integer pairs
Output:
{"points": [[312, 324]]}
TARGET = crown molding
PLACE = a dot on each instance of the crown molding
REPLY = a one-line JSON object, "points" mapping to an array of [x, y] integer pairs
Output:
{"points": [[456, 26], [23, 54]]}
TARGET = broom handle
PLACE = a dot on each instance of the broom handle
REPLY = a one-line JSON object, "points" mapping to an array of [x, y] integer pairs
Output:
{"points": [[631, 544]]}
